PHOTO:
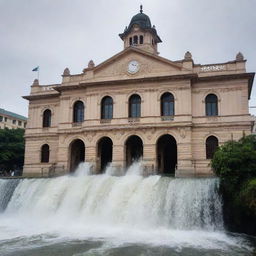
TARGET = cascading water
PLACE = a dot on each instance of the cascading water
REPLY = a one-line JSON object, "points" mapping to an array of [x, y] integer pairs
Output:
{"points": [[6, 191], [154, 211]]}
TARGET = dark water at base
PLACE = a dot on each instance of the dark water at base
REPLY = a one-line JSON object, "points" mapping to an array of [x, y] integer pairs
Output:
{"points": [[49, 246]]}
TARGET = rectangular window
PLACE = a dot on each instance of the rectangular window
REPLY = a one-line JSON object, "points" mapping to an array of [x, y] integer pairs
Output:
{"points": [[214, 109], [135, 110], [5, 119], [13, 121], [19, 123], [168, 108], [208, 109], [1, 119], [108, 111], [211, 109]]}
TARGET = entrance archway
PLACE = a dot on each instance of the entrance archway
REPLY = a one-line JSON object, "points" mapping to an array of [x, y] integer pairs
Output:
{"points": [[166, 154], [105, 150], [77, 154], [134, 149]]}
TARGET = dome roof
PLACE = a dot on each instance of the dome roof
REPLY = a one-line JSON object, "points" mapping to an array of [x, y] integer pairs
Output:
{"points": [[141, 20]]}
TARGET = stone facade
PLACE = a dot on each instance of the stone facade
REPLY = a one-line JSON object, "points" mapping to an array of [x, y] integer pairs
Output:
{"points": [[151, 77]]}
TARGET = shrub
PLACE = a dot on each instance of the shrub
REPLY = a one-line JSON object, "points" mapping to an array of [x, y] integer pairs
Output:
{"points": [[11, 149], [235, 164], [236, 160]]}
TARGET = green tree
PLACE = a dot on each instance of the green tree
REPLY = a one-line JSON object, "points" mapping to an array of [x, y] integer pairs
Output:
{"points": [[11, 149], [235, 164], [236, 160]]}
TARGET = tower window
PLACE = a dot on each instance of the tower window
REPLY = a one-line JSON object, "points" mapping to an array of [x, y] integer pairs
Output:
{"points": [[130, 41], [141, 39], [135, 40], [47, 118], [45, 153]]}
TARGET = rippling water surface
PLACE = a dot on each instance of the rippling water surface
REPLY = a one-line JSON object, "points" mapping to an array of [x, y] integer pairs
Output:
{"points": [[104, 214]]}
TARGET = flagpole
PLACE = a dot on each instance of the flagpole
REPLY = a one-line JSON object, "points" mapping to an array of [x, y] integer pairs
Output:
{"points": [[37, 70]]}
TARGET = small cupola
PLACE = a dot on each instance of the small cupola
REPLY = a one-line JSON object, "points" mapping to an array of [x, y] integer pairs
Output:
{"points": [[140, 33]]}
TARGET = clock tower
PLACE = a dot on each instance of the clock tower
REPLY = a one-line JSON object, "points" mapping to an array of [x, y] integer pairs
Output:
{"points": [[141, 34]]}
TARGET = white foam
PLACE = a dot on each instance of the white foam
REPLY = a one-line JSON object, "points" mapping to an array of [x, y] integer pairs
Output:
{"points": [[128, 209], [83, 169]]}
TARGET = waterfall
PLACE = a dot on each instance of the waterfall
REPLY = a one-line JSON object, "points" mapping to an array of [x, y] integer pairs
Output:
{"points": [[7, 188], [131, 200]]}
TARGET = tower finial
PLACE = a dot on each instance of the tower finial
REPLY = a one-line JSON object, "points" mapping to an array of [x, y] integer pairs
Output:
{"points": [[141, 10]]}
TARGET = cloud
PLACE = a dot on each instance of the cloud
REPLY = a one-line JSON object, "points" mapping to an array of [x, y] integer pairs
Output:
{"points": [[60, 33]]}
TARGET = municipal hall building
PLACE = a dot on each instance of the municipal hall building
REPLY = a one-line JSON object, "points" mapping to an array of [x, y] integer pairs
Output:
{"points": [[172, 114]]}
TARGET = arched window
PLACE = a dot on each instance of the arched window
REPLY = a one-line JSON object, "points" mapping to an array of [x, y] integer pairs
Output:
{"points": [[78, 112], [130, 40], [211, 105], [167, 104], [134, 106], [107, 108], [141, 39], [45, 153], [47, 115], [135, 40], [211, 146]]}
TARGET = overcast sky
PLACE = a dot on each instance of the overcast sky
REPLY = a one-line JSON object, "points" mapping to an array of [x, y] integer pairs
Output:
{"points": [[56, 34]]}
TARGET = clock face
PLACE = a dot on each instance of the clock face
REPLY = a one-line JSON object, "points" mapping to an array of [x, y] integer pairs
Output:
{"points": [[133, 67]]}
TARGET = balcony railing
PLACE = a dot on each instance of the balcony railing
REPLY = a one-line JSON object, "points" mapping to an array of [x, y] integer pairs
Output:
{"points": [[167, 118], [133, 120], [105, 121]]}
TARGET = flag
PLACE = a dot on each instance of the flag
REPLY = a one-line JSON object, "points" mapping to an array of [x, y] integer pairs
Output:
{"points": [[36, 68]]}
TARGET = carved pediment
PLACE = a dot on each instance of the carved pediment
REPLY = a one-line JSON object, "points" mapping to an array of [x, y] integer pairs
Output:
{"points": [[148, 65]]}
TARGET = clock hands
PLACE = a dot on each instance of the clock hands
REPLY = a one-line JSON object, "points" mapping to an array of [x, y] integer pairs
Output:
{"points": [[133, 67]]}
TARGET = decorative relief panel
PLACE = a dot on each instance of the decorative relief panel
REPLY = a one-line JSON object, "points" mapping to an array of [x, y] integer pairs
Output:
{"points": [[149, 136], [210, 68], [89, 137], [182, 132]]}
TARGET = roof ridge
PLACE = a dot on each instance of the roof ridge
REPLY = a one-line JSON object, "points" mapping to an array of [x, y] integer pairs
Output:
{"points": [[12, 114]]}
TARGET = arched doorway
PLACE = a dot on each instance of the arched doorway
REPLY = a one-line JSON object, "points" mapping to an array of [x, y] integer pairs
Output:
{"points": [[77, 154], [134, 149], [166, 154], [105, 149]]}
